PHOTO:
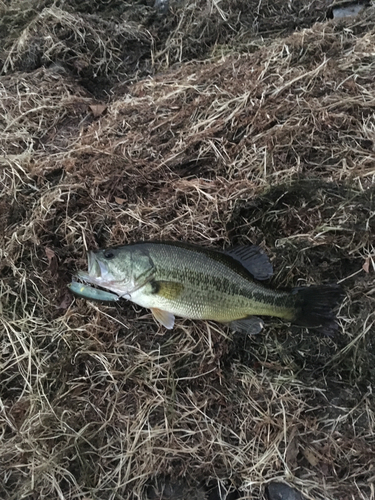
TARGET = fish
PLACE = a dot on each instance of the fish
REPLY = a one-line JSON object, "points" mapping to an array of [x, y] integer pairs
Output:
{"points": [[191, 281]]}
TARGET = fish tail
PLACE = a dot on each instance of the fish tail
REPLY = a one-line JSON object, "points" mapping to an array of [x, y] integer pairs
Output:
{"points": [[314, 306]]}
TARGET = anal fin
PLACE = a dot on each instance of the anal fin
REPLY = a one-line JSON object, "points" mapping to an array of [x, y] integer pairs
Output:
{"points": [[163, 317], [251, 325]]}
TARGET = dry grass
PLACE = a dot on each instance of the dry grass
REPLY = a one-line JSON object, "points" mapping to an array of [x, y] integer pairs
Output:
{"points": [[266, 142]]}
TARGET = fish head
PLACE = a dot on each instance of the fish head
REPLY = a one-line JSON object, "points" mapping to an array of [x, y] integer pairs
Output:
{"points": [[119, 269]]}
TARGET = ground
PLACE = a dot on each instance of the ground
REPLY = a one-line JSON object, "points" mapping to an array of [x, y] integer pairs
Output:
{"points": [[218, 123]]}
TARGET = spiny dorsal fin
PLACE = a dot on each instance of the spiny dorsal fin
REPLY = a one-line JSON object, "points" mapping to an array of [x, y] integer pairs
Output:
{"points": [[254, 259], [163, 317]]}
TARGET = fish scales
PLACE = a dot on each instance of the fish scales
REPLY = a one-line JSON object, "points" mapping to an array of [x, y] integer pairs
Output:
{"points": [[214, 287]]}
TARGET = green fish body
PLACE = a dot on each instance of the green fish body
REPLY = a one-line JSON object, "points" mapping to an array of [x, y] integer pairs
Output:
{"points": [[180, 279]]}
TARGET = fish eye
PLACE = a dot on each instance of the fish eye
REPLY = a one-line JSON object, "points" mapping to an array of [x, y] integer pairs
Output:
{"points": [[109, 254]]}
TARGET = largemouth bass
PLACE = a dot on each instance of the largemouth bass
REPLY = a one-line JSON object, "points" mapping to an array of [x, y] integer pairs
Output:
{"points": [[180, 279]]}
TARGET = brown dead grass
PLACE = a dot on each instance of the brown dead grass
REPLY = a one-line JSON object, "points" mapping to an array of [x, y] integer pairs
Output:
{"points": [[273, 145]]}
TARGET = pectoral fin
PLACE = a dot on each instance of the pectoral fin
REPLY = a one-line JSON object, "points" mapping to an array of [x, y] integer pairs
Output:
{"points": [[163, 317], [251, 325]]}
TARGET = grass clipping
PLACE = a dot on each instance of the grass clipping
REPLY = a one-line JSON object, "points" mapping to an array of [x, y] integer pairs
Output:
{"points": [[275, 147]]}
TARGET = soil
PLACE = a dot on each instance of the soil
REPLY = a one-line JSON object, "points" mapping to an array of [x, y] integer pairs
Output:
{"points": [[219, 123]]}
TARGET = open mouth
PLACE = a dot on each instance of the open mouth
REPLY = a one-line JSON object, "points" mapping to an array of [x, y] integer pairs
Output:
{"points": [[99, 275], [96, 272], [94, 268]]}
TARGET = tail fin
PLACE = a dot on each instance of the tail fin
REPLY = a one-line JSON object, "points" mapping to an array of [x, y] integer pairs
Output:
{"points": [[314, 306]]}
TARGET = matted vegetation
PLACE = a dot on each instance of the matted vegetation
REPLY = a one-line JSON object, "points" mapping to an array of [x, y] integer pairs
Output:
{"points": [[187, 126]]}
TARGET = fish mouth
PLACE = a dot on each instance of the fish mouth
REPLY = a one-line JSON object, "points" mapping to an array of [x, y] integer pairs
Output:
{"points": [[99, 275], [97, 271]]}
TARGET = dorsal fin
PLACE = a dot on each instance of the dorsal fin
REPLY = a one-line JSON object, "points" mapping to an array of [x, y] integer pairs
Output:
{"points": [[254, 259]]}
